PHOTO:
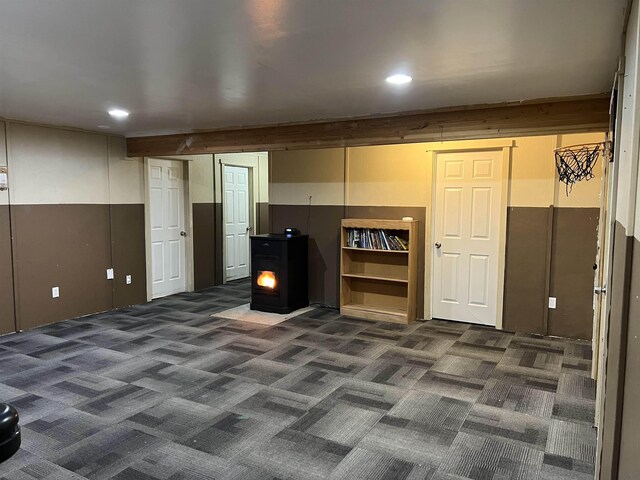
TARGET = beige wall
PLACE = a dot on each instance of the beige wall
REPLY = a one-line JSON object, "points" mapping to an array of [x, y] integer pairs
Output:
{"points": [[201, 178], [53, 166], [263, 160], [532, 179], [637, 219], [126, 175], [7, 317], [297, 174], [400, 175], [4, 196], [584, 193], [3, 145], [389, 175]]}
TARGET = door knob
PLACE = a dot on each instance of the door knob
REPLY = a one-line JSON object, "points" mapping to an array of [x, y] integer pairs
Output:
{"points": [[249, 229], [183, 233], [438, 245]]}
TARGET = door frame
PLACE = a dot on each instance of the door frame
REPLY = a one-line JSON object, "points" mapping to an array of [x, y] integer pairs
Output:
{"points": [[236, 160], [610, 203], [188, 223], [602, 302], [500, 145], [252, 217]]}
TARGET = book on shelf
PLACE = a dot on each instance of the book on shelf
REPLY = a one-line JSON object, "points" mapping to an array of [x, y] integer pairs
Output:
{"points": [[375, 239]]}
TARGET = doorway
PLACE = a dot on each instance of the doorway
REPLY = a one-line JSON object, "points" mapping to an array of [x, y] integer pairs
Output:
{"points": [[166, 227], [237, 223], [468, 249]]}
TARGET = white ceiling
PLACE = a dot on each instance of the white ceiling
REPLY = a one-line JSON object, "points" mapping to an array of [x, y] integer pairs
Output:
{"points": [[180, 65]]}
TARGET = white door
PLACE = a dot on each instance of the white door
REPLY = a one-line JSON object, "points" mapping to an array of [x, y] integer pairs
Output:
{"points": [[236, 221], [467, 236], [167, 227]]}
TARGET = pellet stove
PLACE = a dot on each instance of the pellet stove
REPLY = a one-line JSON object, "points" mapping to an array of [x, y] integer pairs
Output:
{"points": [[279, 272]]}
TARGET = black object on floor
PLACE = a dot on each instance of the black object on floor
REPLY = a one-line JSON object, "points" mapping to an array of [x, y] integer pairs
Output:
{"points": [[279, 272], [9, 431]]}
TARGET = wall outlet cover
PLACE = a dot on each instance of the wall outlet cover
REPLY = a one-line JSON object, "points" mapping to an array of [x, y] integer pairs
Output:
{"points": [[109, 273], [552, 302], [128, 279], [55, 292]]}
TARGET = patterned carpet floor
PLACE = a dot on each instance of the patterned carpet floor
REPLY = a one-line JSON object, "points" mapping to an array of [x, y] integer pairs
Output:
{"points": [[166, 391]]}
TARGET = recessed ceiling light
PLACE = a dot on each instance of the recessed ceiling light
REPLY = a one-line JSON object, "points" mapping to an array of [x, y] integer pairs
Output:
{"points": [[399, 79], [118, 113]]}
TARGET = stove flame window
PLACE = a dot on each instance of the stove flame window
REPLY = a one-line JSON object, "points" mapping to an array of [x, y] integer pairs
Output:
{"points": [[267, 279]]}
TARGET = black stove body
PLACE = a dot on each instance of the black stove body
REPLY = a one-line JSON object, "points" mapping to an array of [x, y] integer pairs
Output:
{"points": [[279, 272]]}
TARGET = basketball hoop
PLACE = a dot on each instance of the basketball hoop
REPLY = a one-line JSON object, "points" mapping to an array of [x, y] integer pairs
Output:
{"points": [[576, 162]]}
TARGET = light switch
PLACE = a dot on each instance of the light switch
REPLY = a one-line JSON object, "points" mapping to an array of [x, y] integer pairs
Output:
{"points": [[128, 279], [109, 273], [552, 302], [55, 292]]}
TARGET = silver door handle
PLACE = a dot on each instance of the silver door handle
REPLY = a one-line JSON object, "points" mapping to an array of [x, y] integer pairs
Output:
{"points": [[249, 229], [600, 290], [183, 233], [438, 245]]}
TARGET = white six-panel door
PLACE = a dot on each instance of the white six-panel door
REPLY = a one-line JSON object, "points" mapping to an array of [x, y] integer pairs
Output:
{"points": [[167, 227], [467, 232], [236, 218]]}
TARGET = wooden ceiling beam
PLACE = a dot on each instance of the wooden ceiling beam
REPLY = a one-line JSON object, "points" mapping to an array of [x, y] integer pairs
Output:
{"points": [[535, 117]]}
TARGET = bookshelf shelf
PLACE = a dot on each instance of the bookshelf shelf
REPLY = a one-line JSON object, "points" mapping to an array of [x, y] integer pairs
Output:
{"points": [[385, 314], [381, 278], [376, 250], [379, 284]]}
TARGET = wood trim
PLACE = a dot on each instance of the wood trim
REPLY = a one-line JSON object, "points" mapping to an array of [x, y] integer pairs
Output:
{"points": [[462, 145], [532, 117], [502, 249], [429, 277], [547, 284], [188, 223]]}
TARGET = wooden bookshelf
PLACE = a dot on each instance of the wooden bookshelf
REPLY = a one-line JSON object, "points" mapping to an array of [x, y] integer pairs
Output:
{"points": [[377, 284]]}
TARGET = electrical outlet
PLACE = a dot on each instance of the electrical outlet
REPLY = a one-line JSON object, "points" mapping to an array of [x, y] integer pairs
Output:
{"points": [[109, 273], [128, 279], [552, 302], [55, 292]]}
